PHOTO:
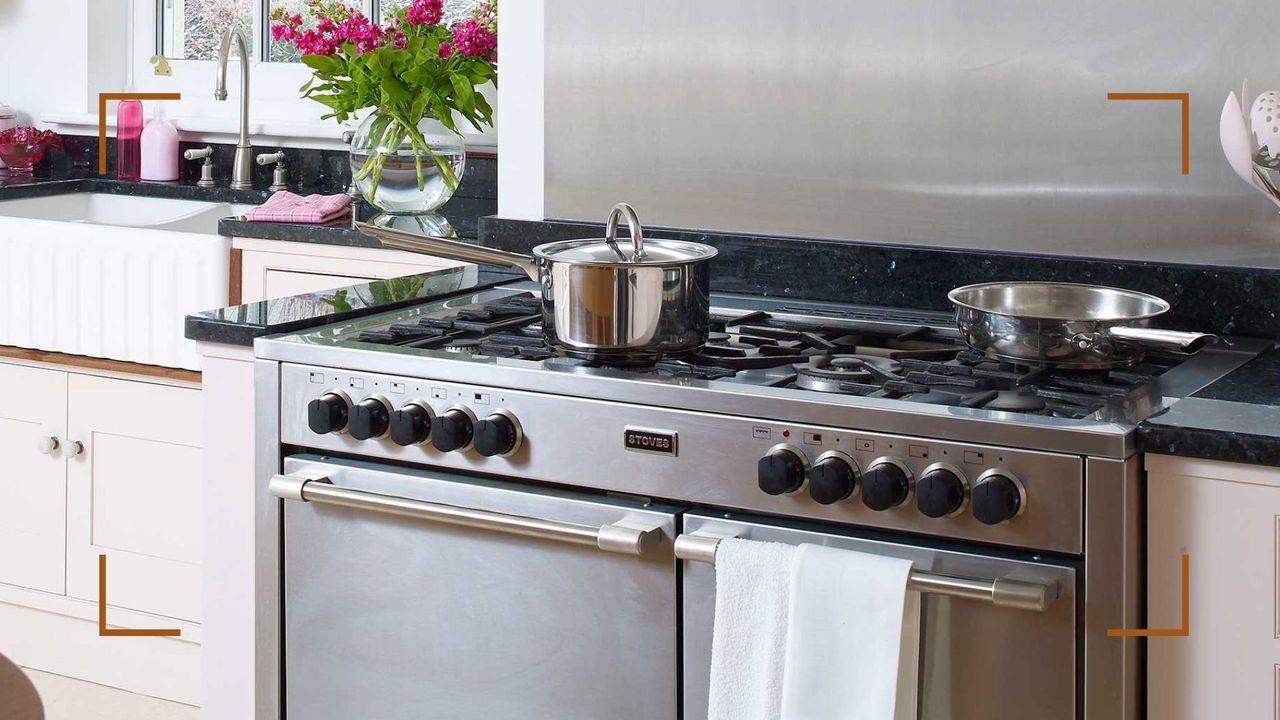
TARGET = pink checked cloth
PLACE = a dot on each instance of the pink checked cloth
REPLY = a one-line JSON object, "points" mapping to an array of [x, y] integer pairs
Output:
{"points": [[285, 206]]}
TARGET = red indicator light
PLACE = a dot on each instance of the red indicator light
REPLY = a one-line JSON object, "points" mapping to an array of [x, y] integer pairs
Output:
{"points": [[786, 433]]}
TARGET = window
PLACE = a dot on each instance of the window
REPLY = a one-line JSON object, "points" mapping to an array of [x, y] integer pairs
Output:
{"points": [[193, 29]]}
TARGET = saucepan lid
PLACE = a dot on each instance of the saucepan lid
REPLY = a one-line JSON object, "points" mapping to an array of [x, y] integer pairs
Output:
{"points": [[607, 251]]}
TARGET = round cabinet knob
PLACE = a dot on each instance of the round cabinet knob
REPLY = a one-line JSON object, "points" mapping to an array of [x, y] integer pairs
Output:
{"points": [[940, 491], [72, 448], [998, 497], [327, 413], [498, 434], [782, 471], [886, 484], [369, 419], [834, 477], [453, 430], [47, 445], [411, 424]]}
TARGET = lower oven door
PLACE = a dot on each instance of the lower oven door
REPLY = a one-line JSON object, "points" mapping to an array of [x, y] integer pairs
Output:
{"points": [[978, 661], [415, 594]]}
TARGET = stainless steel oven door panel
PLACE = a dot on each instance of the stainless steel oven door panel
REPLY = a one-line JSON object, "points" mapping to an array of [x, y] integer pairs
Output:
{"points": [[395, 618], [978, 661]]}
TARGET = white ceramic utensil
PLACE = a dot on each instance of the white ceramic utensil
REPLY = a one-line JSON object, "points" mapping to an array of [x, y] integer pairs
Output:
{"points": [[1264, 119], [1237, 146]]}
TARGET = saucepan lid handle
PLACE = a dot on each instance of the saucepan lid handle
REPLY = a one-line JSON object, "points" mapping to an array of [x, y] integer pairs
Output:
{"points": [[633, 223]]}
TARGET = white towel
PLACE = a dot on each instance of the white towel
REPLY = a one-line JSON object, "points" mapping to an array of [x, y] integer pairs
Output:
{"points": [[853, 637], [749, 640]]}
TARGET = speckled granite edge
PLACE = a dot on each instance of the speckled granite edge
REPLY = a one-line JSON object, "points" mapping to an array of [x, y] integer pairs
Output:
{"points": [[1215, 430], [1232, 301], [242, 324]]}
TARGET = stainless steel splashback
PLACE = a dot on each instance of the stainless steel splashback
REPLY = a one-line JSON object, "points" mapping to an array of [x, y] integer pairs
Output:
{"points": [[979, 124]]}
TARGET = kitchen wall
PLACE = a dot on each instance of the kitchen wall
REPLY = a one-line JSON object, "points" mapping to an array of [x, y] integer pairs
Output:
{"points": [[981, 124], [52, 62]]}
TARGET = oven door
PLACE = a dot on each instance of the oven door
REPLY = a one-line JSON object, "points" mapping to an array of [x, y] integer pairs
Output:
{"points": [[978, 660], [418, 594]]}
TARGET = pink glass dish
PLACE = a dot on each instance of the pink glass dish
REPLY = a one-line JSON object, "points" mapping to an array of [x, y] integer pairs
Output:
{"points": [[21, 148]]}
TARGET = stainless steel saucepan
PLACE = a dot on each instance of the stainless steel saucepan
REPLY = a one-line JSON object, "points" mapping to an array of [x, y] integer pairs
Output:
{"points": [[600, 301], [1065, 324]]}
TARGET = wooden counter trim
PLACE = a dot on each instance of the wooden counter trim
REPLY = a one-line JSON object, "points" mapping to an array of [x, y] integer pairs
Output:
{"points": [[93, 363], [235, 283]]}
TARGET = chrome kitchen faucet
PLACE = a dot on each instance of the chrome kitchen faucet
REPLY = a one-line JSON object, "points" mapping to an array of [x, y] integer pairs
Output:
{"points": [[241, 170]]}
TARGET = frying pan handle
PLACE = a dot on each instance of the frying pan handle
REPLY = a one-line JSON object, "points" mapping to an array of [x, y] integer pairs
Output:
{"points": [[1188, 342], [452, 249], [633, 224]]}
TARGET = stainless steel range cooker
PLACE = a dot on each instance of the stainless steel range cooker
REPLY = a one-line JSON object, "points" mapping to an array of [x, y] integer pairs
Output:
{"points": [[475, 527]]}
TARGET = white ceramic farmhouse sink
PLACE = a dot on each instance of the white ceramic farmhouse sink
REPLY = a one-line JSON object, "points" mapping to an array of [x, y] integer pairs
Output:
{"points": [[124, 210], [110, 275]]}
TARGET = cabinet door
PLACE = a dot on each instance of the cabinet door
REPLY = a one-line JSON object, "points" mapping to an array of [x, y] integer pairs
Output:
{"points": [[134, 494], [33, 485], [1227, 518], [283, 283]]}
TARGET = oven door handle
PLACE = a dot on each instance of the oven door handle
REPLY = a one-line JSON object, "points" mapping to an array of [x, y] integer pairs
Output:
{"points": [[1021, 594], [615, 537]]}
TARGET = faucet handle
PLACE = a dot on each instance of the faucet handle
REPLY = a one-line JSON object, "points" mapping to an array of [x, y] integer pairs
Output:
{"points": [[206, 170], [279, 178], [269, 158]]}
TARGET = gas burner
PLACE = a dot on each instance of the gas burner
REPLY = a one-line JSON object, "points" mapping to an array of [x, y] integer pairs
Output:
{"points": [[826, 373], [463, 345]]}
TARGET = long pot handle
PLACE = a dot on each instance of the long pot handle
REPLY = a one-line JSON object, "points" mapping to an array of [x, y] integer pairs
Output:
{"points": [[1188, 342], [452, 249]]}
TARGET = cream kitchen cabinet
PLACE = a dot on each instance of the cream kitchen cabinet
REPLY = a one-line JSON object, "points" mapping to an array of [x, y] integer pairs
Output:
{"points": [[1226, 517], [101, 462], [271, 268]]}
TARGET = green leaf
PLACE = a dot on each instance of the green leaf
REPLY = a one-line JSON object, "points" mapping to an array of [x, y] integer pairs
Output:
{"points": [[463, 93], [327, 64]]}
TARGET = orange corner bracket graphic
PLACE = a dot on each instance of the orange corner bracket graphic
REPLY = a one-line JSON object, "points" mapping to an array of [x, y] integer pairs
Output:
{"points": [[105, 631], [102, 118], [1183, 631], [1185, 99]]}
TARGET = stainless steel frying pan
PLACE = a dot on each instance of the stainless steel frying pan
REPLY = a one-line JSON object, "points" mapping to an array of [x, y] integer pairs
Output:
{"points": [[1065, 324]]}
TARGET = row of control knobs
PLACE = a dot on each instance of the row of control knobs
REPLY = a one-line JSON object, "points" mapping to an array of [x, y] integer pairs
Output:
{"points": [[415, 423], [941, 490]]}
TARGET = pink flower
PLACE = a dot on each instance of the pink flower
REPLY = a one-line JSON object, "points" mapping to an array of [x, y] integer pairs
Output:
{"points": [[446, 49], [424, 12], [473, 38]]}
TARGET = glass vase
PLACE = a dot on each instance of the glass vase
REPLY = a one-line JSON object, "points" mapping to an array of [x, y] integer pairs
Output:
{"points": [[406, 170]]}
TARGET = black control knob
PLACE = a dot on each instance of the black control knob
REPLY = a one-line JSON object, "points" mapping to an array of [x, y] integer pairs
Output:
{"points": [[782, 471], [451, 430], [832, 479], [885, 485], [996, 498], [327, 413], [939, 492], [369, 419], [410, 425], [497, 434]]}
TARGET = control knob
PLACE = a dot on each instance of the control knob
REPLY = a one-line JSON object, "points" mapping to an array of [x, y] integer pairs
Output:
{"points": [[369, 419], [834, 477], [886, 484], [940, 491], [328, 413], [782, 471], [998, 497], [498, 434], [411, 424], [453, 429]]}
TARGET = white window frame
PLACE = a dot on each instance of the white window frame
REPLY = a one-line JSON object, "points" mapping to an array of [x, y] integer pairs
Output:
{"points": [[278, 115]]}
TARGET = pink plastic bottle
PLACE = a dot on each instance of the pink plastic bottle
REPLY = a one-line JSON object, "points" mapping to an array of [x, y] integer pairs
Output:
{"points": [[129, 140], [160, 148]]}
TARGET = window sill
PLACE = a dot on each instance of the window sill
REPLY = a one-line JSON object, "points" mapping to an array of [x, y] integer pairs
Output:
{"points": [[265, 133]]}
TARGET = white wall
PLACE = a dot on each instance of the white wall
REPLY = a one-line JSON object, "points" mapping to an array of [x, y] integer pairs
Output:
{"points": [[520, 109], [46, 55]]}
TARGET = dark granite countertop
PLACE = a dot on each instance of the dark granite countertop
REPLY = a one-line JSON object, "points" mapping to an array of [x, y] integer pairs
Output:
{"points": [[240, 324], [1236, 419], [60, 182], [461, 215]]}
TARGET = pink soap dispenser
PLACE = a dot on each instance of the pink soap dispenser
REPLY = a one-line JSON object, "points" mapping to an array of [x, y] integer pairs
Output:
{"points": [[160, 148], [128, 140]]}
